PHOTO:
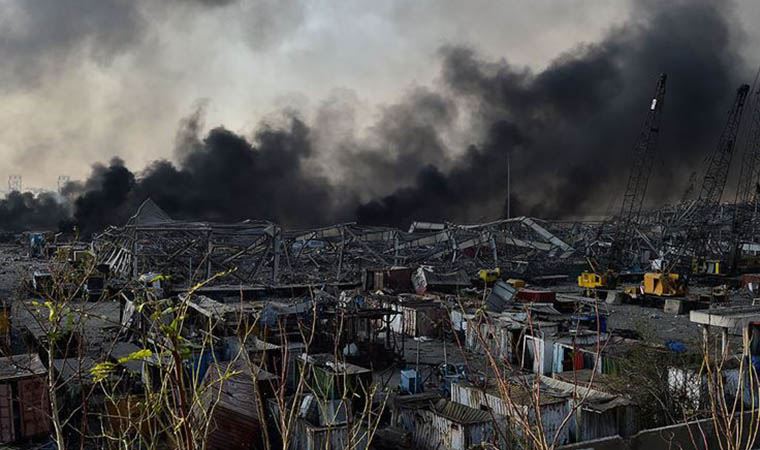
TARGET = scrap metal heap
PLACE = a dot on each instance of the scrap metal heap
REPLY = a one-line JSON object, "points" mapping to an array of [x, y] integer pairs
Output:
{"points": [[260, 253], [691, 235], [263, 253]]}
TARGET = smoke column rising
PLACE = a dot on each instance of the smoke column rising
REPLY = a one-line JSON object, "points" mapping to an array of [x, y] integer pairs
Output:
{"points": [[570, 128]]}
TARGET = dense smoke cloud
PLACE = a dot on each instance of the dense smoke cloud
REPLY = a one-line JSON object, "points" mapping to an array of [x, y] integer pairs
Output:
{"points": [[569, 129], [25, 211], [40, 36], [223, 177]]}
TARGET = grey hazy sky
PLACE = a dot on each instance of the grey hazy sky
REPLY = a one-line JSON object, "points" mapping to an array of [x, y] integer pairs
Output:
{"points": [[84, 80]]}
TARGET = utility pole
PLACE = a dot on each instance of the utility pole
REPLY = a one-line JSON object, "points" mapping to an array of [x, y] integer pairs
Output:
{"points": [[509, 184]]}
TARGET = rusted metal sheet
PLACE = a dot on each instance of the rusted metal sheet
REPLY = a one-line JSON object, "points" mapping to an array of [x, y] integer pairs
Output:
{"points": [[553, 411], [536, 295], [552, 416], [34, 407], [5, 320], [418, 318], [7, 430], [233, 431], [495, 337], [398, 279], [447, 425]]}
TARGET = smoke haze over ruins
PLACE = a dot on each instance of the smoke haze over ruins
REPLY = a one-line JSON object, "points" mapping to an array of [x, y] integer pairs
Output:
{"points": [[229, 110]]}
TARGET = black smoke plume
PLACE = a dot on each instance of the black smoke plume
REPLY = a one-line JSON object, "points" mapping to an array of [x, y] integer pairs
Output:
{"points": [[222, 177], [569, 130], [570, 127], [23, 211]]}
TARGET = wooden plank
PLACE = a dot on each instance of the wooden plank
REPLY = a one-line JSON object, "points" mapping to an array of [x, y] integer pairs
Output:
{"points": [[34, 407], [7, 431]]}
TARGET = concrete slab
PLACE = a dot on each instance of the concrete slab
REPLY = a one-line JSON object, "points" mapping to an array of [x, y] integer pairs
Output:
{"points": [[733, 319]]}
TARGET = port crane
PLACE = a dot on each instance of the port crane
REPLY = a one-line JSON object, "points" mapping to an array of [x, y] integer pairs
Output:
{"points": [[694, 256], [605, 267], [747, 191]]}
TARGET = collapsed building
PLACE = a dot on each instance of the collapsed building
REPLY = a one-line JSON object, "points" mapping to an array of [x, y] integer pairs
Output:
{"points": [[263, 254], [299, 337]]}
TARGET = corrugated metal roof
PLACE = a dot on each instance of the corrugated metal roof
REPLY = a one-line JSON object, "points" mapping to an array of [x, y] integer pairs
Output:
{"points": [[122, 350], [415, 401], [328, 361], [20, 366], [74, 369], [501, 295], [460, 413], [149, 213], [592, 399]]}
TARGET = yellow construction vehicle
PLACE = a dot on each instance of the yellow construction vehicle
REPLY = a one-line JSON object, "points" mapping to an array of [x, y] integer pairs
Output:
{"points": [[663, 284], [593, 280], [489, 276], [596, 279], [704, 266]]}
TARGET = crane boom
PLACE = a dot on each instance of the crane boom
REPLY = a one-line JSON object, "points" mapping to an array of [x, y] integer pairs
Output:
{"points": [[719, 163], [604, 271], [638, 178], [750, 170], [713, 184]]}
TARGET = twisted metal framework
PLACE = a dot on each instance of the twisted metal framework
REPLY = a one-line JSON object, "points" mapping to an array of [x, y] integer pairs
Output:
{"points": [[262, 253], [750, 168]]}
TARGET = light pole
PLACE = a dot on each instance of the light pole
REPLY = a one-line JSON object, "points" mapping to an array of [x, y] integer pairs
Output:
{"points": [[509, 184]]}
